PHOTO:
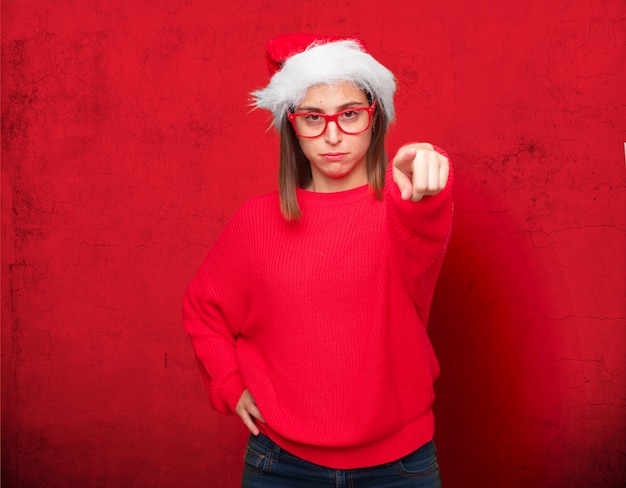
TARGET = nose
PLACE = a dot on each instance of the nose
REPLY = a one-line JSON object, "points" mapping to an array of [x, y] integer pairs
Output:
{"points": [[333, 133]]}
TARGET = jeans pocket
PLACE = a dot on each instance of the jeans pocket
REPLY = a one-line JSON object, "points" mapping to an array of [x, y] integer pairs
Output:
{"points": [[257, 458], [422, 462]]}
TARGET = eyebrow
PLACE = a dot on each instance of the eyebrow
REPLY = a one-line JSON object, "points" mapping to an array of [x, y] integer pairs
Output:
{"points": [[345, 106]]}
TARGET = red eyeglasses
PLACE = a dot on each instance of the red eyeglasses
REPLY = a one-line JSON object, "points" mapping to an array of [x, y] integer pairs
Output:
{"points": [[351, 121]]}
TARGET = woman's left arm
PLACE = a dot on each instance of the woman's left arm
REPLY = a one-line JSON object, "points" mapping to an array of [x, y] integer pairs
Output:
{"points": [[419, 218]]}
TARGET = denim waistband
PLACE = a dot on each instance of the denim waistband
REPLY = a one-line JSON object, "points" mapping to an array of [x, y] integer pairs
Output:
{"points": [[265, 442]]}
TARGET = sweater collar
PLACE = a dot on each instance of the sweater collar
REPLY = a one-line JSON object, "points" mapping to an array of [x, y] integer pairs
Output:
{"points": [[347, 197]]}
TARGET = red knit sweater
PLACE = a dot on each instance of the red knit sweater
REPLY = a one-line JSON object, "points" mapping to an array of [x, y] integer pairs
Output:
{"points": [[324, 321]]}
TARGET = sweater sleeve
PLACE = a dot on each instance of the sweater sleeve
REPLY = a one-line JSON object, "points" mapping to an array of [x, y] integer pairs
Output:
{"points": [[214, 309], [419, 233]]}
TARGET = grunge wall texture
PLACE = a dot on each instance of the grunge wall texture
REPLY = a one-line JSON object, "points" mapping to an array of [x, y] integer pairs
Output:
{"points": [[127, 142]]}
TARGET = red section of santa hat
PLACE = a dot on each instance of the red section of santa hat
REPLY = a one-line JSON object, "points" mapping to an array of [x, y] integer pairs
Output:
{"points": [[283, 47]]}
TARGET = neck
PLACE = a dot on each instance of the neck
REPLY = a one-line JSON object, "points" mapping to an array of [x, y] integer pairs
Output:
{"points": [[322, 184]]}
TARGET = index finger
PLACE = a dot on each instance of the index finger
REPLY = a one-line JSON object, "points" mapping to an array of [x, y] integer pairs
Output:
{"points": [[254, 411], [405, 155], [249, 423]]}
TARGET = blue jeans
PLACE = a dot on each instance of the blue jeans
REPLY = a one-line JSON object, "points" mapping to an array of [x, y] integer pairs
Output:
{"points": [[268, 466]]}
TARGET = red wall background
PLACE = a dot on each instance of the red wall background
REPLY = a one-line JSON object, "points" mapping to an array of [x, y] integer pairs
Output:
{"points": [[127, 143]]}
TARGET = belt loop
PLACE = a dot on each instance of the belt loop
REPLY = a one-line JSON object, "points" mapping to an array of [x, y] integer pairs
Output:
{"points": [[275, 447], [268, 444]]}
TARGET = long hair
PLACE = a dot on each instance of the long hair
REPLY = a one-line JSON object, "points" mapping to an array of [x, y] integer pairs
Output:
{"points": [[294, 170]]}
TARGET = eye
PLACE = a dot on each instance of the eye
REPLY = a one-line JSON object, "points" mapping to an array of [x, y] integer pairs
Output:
{"points": [[313, 117], [350, 114]]}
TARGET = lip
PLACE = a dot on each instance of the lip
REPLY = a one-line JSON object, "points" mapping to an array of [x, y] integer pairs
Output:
{"points": [[334, 156]]}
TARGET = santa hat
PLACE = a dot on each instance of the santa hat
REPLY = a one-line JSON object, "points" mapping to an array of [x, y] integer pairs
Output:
{"points": [[299, 61]]}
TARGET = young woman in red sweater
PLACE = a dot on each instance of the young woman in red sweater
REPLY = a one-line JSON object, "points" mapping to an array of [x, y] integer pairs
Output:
{"points": [[308, 316]]}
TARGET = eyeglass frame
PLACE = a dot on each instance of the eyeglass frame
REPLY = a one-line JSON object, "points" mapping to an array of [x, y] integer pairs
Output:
{"points": [[333, 118]]}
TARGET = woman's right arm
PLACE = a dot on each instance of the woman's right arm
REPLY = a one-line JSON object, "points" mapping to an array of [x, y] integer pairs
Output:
{"points": [[214, 344], [215, 307]]}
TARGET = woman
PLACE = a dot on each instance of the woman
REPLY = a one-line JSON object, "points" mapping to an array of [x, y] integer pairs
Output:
{"points": [[308, 316]]}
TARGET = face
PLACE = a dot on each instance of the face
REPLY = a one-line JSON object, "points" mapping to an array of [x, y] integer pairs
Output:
{"points": [[337, 159]]}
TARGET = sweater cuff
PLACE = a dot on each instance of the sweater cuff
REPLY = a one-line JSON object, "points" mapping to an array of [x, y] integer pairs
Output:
{"points": [[229, 394]]}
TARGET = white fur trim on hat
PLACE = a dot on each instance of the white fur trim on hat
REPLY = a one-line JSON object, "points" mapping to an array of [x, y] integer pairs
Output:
{"points": [[328, 63]]}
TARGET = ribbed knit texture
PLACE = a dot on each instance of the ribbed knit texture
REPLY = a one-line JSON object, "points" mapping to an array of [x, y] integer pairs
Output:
{"points": [[324, 321]]}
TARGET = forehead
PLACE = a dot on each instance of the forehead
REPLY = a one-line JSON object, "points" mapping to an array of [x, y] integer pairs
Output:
{"points": [[333, 94]]}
